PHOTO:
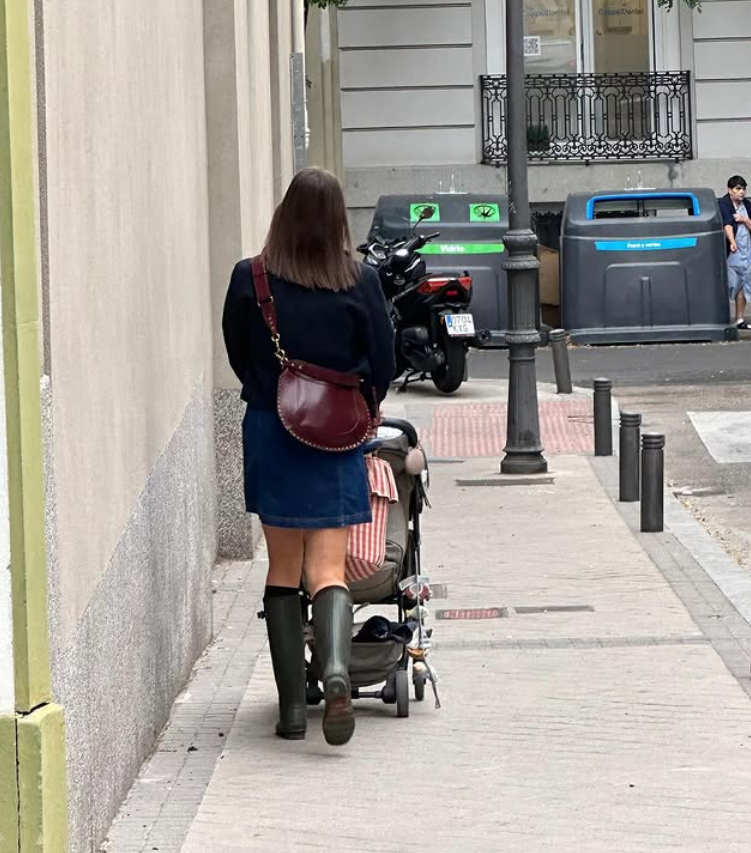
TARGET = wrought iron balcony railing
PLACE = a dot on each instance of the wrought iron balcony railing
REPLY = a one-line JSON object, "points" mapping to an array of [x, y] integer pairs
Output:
{"points": [[587, 117]]}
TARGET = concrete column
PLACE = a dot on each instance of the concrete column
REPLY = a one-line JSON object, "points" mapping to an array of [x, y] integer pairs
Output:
{"points": [[257, 159], [240, 66], [324, 97], [224, 164], [280, 36]]}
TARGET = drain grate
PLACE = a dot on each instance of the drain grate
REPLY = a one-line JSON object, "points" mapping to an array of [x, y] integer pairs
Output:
{"points": [[439, 590], [509, 481], [473, 613], [555, 608], [703, 492]]}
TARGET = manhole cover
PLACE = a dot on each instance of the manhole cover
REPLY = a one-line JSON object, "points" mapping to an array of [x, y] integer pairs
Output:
{"points": [[509, 480], [556, 608], [473, 613]]}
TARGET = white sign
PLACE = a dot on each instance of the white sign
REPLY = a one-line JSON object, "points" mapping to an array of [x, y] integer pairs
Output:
{"points": [[532, 46]]}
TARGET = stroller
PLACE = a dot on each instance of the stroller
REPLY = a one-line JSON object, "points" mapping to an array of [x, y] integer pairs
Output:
{"points": [[384, 656]]}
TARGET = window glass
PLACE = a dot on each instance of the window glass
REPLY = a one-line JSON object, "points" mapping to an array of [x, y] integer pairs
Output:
{"points": [[550, 42], [621, 35]]}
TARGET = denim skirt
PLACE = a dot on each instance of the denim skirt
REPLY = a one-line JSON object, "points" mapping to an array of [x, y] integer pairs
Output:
{"points": [[288, 484]]}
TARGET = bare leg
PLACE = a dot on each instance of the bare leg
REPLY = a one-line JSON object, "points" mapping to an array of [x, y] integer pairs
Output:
{"points": [[325, 553], [740, 305], [286, 550]]}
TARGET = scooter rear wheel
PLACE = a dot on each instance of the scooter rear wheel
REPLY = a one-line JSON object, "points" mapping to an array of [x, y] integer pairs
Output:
{"points": [[449, 377]]}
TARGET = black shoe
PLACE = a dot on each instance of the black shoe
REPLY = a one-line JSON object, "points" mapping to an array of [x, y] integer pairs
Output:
{"points": [[742, 324], [332, 626], [287, 645]]}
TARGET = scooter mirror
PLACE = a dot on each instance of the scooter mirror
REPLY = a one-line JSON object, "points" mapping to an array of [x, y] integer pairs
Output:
{"points": [[427, 212]]}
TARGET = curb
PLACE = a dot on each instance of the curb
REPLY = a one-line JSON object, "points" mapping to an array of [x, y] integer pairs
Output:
{"points": [[729, 577]]}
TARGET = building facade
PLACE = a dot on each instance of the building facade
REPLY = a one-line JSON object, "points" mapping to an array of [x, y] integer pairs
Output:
{"points": [[619, 91], [143, 147]]}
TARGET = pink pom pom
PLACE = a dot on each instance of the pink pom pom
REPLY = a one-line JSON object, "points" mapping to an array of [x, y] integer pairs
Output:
{"points": [[415, 461]]}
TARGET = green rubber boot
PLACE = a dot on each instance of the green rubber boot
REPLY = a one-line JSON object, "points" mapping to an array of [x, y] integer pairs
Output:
{"points": [[286, 643], [332, 626]]}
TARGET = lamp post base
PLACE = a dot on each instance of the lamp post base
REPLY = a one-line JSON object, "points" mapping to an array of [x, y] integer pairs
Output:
{"points": [[524, 463]]}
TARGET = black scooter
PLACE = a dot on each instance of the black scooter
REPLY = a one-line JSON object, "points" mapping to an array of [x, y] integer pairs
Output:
{"points": [[429, 311]]}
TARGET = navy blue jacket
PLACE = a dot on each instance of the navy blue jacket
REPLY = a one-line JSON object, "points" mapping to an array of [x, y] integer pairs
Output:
{"points": [[347, 330], [727, 211]]}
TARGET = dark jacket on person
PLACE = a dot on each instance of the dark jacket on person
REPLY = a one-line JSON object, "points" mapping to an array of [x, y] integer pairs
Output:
{"points": [[348, 330], [727, 211]]}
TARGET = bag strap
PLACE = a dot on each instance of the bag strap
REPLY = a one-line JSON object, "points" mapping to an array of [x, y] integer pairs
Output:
{"points": [[265, 301]]}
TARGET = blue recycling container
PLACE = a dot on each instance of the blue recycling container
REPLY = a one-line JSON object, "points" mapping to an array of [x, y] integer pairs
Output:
{"points": [[644, 266]]}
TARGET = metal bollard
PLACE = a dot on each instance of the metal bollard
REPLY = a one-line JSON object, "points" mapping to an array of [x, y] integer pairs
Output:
{"points": [[561, 367], [603, 422], [652, 464], [628, 459]]}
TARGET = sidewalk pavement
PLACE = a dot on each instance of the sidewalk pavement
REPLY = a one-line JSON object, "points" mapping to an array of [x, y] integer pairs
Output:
{"points": [[607, 709]]}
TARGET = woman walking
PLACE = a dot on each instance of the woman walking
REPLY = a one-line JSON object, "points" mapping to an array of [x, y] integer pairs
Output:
{"points": [[330, 312]]}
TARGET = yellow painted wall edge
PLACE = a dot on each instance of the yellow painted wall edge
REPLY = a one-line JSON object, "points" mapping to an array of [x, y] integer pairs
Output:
{"points": [[32, 744], [42, 778], [33, 782], [18, 265], [8, 785]]}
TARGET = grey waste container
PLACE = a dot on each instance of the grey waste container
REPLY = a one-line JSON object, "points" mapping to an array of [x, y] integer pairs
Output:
{"points": [[472, 227], [644, 266]]}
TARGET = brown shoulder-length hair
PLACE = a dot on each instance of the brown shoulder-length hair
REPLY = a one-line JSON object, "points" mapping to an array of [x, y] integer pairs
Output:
{"points": [[309, 241]]}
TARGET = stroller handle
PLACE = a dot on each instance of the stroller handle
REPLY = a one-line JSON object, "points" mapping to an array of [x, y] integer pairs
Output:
{"points": [[404, 426]]}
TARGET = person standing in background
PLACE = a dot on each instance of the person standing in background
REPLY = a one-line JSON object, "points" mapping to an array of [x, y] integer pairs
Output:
{"points": [[736, 221]]}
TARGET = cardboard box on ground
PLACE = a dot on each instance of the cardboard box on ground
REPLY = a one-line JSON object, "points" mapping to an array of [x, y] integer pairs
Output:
{"points": [[550, 286]]}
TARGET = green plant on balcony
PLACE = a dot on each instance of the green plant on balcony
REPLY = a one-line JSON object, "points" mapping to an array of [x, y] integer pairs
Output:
{"points": [[538, 138]]}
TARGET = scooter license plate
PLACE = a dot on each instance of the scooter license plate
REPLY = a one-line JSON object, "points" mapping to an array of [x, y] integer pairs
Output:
{"points": [[460, 325]]}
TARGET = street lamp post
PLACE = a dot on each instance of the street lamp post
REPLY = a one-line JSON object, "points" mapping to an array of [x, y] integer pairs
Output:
{"points": [[523, 447]]}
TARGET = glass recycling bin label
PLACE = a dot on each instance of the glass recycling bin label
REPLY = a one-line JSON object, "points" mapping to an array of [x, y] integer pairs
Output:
{"points": [[462, 249], [416, 209], [484, 212]]}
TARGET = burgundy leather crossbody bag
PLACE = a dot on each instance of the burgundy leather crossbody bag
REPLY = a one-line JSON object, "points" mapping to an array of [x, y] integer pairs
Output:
{"points": [[320, 407]]}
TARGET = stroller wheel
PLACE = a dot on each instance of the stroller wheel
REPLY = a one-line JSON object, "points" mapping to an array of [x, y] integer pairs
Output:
{"points": [[313, 693], [388, 694], [402, 693], [418, 681]]}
